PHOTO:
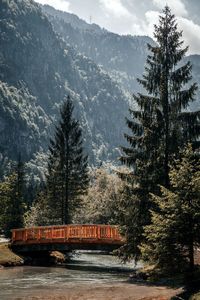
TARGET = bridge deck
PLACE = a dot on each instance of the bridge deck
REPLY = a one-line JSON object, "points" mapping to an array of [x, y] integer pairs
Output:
{"points": [[76, 236]]}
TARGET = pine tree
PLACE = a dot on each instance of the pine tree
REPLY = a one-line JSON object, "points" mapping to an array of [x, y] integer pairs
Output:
{"points": [[12, 199], [67, 176], [19, 201], [174, 231], [159, 126]]}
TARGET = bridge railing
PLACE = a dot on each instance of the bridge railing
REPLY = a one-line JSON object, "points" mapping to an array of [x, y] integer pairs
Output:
{"points": [[65, 233]]}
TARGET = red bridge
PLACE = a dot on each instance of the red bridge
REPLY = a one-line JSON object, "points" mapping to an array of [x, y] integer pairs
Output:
{"points": [[66, 238]]}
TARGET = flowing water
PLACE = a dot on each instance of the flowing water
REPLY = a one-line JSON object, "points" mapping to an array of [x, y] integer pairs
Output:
{"points": [[84, 268]]}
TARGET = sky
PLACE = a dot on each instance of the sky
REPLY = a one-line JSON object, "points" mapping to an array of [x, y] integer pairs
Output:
{"points": [[136, 17]]}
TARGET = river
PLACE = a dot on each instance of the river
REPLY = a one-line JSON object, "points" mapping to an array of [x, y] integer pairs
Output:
{"points": [[83, 269]]}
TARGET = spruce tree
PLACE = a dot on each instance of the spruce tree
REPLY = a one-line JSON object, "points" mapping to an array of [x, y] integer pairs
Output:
{"points": [[158, 127], [12, 200], [19, 201], [174, 231], [67, 176]]}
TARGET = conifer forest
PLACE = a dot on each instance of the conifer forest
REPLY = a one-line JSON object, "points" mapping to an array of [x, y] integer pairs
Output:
{"points": [[100, 125]]}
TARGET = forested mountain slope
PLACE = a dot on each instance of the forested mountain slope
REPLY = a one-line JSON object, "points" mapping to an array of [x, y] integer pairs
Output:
{"points": [[33, 58], [123, 57], [23, 124], [195, 61]]}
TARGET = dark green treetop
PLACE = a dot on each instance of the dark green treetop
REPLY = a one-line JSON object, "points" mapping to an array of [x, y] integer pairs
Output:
{"points": [[67, 177]]}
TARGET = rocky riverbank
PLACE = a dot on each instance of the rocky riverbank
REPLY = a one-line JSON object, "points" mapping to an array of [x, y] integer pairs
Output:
{"points": [[8, 258]]}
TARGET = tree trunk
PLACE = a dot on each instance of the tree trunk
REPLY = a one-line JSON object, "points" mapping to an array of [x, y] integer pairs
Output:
{"points": [[191, 256], [165, 101], [191, 244], [66, 208]]}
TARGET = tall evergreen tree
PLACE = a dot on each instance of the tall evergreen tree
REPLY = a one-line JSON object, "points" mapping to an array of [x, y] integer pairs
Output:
{"points": [[175, 226], [12, 200], [67, 176], [159, 126]]}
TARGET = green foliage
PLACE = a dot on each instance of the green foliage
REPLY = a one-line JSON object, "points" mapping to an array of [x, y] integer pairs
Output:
{"points": [[12, 203], [22, 122], [174, 231], [100, 204], [67, 176], [39, 214], [158, 128], [132, 217], [5, 166]]}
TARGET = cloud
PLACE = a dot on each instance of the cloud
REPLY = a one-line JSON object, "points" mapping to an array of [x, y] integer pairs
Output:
{"points": [[139, 29], [145, 26], [191, 35], [57, 4], [177, 6], [152, 18], [116, 17], [115, 7]]}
